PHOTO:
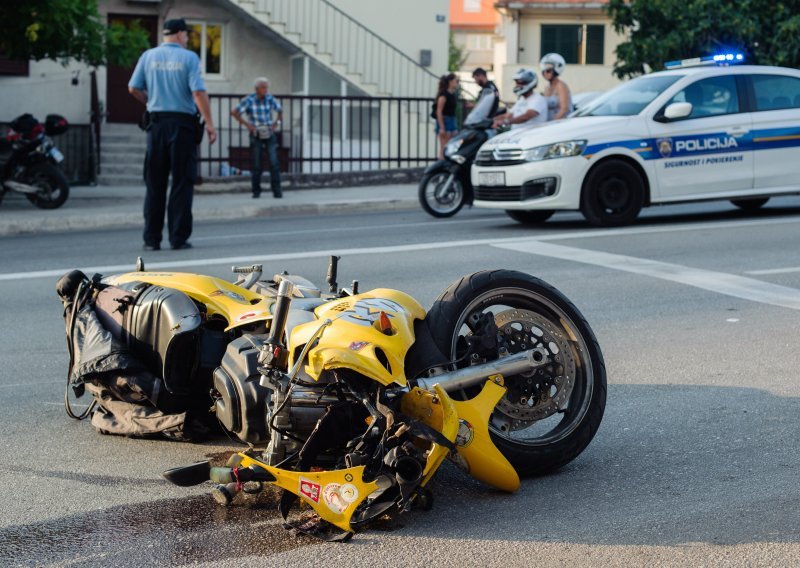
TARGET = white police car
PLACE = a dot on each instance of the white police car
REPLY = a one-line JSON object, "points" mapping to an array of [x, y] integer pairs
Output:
{"points": [[697, 131]]}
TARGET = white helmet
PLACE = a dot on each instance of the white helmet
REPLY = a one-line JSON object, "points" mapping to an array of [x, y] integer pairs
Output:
{"points": [[524, 81], [553, 61]]}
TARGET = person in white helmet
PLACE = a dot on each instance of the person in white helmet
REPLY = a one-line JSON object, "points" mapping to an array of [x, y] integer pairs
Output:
{"points": [[530, 108], [559, 99]]}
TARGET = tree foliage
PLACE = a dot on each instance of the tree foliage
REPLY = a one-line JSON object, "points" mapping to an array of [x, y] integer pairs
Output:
{"points": [[765, 31], [66, 29], [456, 54]]}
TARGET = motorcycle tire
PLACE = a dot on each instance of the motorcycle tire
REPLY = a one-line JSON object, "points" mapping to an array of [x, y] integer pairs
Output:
{"points": [[52, 183], [570, 392], [436, 204]]}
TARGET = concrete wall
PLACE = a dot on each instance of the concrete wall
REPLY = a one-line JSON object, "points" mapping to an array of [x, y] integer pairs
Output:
{"points": [[523, 49], [409, 25]]}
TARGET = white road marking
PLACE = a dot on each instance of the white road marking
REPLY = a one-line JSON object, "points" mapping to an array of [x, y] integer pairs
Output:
{"points": [[261, 257], [788, 270], [323, 229], [719, 282]]}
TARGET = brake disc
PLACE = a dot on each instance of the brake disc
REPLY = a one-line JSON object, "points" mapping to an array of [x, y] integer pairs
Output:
{"points": [[545, 390]]}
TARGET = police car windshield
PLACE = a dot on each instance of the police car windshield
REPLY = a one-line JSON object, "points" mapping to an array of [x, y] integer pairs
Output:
{"points": [[629, 98]]}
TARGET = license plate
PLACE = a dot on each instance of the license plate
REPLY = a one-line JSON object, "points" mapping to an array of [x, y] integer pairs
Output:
{"points": [[491, 178], [56, 154]]}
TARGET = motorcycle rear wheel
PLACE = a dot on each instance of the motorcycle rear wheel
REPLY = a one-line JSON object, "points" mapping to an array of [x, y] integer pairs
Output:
{"points": [[550, 415], [434, 200], [52, 183]]}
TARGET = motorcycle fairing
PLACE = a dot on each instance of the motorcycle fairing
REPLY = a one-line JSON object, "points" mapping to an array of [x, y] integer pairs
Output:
{"points": [[481, 458], [354, 340], [334, 495], [237, 305]]}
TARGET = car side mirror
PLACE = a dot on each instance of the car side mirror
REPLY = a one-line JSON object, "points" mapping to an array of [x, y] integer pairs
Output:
{"points": [[675, 111]]}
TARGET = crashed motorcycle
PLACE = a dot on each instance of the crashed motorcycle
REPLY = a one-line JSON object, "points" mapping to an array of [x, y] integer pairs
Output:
{"points": [[29, 161], [350, 401]]}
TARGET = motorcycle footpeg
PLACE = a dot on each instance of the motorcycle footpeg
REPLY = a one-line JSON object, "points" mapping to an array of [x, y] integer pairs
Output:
{"points": [[188, 475]]}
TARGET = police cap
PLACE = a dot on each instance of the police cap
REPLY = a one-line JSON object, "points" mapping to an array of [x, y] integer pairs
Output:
{"points": [[174, 26]]}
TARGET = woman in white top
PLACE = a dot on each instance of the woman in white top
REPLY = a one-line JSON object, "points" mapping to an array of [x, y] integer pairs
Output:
{"points": [[530, 108], [559, 99]]}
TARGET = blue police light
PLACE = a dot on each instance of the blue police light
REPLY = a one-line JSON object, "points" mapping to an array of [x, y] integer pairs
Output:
{"points": [[718, 59]]}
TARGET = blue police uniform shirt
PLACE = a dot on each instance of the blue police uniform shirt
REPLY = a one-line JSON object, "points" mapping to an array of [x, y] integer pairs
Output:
{"points": [[169, 73]]}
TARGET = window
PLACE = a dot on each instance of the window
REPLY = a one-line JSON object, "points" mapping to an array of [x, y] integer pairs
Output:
{"points": [[776, 92], [479, 42], [710, 97], [581, 44], [629, 98], [206, 41], [472, 5]]}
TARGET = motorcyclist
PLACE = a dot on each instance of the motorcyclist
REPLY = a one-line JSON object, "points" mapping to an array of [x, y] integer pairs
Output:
{"points": [[530, 108], [488, 99], [557, 94]]}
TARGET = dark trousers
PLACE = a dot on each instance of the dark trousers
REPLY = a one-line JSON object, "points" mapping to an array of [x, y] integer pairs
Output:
{"points": [[257, 152], [171, 149]]}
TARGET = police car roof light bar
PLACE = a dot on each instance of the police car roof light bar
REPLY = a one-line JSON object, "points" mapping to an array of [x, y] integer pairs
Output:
{"points": [[718, 59]]}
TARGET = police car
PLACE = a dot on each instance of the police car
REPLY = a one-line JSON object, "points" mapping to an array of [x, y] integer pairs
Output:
{"points": [[703, 129]]}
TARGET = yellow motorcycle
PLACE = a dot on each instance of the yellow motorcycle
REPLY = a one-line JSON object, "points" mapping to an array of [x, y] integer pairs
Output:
{"points": [[351, 401]]}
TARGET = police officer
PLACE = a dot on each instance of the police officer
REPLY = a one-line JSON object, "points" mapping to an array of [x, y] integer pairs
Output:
{"points": [[168, 80]]}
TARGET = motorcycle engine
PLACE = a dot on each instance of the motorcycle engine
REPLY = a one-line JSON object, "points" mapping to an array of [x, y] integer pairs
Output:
{"points": [[246, 408]]}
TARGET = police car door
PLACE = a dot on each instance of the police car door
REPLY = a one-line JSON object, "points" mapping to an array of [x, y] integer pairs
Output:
{"points": [[709, 151], [776, 130]]}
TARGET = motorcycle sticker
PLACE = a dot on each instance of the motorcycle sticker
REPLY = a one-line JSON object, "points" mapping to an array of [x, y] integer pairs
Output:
{"points": [[338, 497], [366, 311], [309, 489], [358, 345], [465, 434]]}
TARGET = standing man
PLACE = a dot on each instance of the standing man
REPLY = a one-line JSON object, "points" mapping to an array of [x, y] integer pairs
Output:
{"points": [[168, 80], [488, 99], [258, 109]]}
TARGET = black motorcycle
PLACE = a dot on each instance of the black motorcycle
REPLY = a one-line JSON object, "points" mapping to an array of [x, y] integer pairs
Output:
{"points": [[29, 161], [445, 186]]}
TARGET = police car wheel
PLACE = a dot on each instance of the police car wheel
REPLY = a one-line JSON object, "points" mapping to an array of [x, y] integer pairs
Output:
{"points": [[613, 194], [530, 217], [750, 204]]}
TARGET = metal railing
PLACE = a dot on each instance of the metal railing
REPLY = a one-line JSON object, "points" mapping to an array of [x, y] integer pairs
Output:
{"points": [[348, 43], [329, 134]]}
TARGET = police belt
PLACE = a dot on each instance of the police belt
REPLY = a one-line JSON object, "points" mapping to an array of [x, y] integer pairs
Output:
{"points": [[163, 114]]}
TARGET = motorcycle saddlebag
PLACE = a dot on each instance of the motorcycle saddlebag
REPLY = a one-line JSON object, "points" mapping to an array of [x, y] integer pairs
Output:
{"points": [[55, 124], [162, 329]]}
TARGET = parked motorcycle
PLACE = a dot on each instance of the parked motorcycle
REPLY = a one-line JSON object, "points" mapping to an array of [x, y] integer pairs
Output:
{"points": [[445, 186], [350, 401], [29, 161]]}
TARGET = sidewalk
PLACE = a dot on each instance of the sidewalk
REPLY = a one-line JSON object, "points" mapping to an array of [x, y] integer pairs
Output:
{"points": [[102, 207]]}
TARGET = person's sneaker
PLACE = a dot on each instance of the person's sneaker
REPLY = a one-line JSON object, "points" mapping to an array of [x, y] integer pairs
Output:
{"points": [[151, 247], [186, 245], [256, 195], [277, 195]]}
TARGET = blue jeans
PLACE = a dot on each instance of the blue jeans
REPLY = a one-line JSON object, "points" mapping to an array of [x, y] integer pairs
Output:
{"points": [[257, 152]]}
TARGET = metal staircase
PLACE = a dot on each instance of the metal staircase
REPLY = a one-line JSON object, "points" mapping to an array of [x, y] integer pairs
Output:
{"points": [[344, 46]]}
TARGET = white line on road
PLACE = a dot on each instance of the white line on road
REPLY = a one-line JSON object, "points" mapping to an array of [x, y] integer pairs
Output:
{"points": [[323, 229], [260, 257], [719, 282], [788, 270]]}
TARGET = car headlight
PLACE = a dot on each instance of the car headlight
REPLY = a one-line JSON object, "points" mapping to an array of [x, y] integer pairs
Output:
{"points": [[557, 150], [452, 147]]}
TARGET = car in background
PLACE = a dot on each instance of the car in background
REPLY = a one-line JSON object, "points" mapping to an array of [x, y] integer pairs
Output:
{"points": [[697, 131]]}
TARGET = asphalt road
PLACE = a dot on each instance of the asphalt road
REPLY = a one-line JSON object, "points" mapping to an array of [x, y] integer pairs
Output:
{"points": [[696, 461]]}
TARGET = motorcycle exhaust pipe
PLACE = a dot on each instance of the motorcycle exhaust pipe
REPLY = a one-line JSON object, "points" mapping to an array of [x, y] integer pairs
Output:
{"points": [[522, 362], [408, 470], [20, 187]]}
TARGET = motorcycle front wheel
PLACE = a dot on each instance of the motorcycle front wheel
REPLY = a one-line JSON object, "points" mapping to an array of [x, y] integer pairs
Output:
{"points": [[437, 197], [550, 414], [52, 185]]}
